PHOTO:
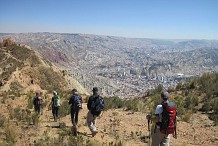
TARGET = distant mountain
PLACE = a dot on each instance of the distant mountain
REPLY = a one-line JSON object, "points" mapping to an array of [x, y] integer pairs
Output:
{"points": [[123, 66]]}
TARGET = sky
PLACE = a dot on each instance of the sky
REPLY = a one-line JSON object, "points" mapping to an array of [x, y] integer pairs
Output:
{"points": [[163, 19]]}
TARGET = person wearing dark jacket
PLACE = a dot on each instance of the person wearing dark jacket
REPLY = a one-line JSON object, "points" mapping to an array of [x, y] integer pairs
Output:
{"points": [[55, 103], [37, 102], [76, 105], [95, 106]]}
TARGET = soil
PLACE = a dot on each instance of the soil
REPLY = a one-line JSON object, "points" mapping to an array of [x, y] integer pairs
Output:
{"points": [[113, 125]]}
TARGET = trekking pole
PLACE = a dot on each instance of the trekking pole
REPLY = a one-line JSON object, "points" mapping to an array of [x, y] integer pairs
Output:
{"points": [[149, 133], [175, 134]]}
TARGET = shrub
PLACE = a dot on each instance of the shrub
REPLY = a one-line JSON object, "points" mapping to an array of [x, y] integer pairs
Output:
{"points": [[35, 119], [2, 120], [17, 113], [64, 109], [206, 107], [187, 117], [15, 85], [10, 135], [114, 102], [215, 105], [191, 102]]}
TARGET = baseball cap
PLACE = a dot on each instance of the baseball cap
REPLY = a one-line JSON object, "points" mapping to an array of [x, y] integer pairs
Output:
{"points": [[165, 95]]}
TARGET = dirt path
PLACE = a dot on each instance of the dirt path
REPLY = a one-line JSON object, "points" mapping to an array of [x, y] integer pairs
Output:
{"points": [[113, 126], [131, 128]]}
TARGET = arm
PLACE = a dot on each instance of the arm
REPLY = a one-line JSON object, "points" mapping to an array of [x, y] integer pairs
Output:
{"points": [[52, 100], [70, 101], [89, 103], [81, 99], [158, 111], [153, 119]]}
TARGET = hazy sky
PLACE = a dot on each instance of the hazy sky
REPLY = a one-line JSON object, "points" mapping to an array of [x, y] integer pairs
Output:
{"points": [[174, 19]]}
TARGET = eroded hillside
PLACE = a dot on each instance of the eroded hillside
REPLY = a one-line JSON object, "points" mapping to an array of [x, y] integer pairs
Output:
{"points": [[22, 68]]}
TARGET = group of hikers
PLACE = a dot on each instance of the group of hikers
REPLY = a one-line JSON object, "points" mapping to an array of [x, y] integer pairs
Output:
{"points": [[163, 121], [95, 106]]}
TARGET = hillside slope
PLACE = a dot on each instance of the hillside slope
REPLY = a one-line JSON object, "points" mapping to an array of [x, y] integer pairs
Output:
{"points": [[21, 68]]}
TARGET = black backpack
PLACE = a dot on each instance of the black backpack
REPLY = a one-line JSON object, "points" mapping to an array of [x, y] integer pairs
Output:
{"points": [[35, 100], [77, 102]]}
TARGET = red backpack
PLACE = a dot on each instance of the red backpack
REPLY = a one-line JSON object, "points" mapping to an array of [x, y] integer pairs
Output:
{"points": [[168, 124]]}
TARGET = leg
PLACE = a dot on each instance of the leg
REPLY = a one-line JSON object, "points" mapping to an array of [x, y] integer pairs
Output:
{"points": [[35, 107], [57, 110], [39, 109], [165, 141], [76, 116], [91, 122], [72, 117], [157, 138], [53, 112]]}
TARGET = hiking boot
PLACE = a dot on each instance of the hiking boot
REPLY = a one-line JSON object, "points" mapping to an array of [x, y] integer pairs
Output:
{"points": [[74, 130], [94, 133]]}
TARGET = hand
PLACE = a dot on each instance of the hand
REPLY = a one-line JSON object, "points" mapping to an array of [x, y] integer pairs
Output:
{"points": [[148, 117]]}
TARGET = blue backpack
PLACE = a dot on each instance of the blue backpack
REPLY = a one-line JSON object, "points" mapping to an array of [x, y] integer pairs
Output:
{"points": [[97, 104], [77, 101]]}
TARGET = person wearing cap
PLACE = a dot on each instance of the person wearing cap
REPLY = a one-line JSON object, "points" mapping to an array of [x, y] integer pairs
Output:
{"points": [[37, 102], [159, 138], [55, 102], [95, 105], [76, 105]]}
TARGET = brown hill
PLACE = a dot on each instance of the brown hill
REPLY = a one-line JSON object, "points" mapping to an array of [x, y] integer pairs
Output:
{"points": [[24, 69]]}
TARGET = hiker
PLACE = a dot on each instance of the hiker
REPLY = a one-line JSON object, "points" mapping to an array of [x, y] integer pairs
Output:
{"points": [[76, 105], [55, 101], [95, 106], [37, 102], [165, 119]]}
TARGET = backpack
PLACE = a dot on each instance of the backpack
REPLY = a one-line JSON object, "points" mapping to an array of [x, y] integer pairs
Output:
{"points": [[97, 104], [168, 124], [77, 102], [57, 101], [35, 100], [38, 100]]}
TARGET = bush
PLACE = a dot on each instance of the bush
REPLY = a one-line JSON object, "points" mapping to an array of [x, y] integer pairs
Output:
{"points": [[180, 106], [187, 117], [10, 135], [136, 105], [191, 102], [2, 120], [113, 102], [64, 109], [206, 107], [35, 119], [17, 113], [215, 105], [15, 85]]}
